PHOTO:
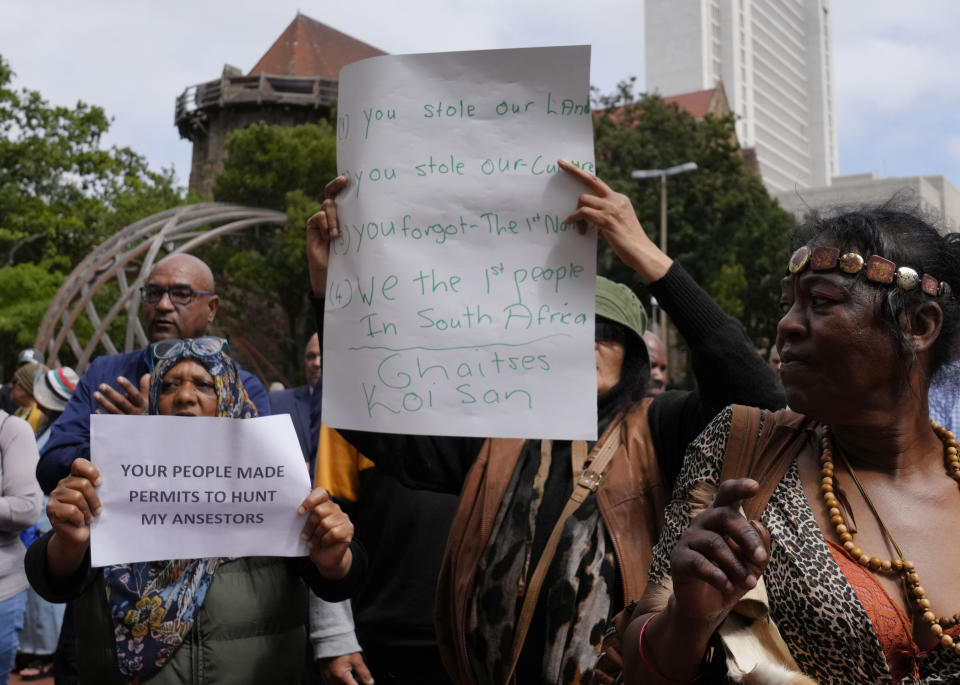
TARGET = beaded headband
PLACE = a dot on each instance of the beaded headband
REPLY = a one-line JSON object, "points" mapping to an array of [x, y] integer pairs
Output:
{"points": [[878, 269]]}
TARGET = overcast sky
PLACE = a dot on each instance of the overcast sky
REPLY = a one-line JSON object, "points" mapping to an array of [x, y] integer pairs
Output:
{"points": [[897, 64]]}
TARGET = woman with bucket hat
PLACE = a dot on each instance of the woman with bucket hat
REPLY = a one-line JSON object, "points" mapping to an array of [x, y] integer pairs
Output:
{"points": [[530, 574]]}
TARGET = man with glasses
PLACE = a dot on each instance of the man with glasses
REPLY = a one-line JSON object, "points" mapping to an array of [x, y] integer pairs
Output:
{"points": [[179, 301]]}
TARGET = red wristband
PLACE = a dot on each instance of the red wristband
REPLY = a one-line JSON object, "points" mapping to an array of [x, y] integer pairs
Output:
{"points": [[646, 664]]}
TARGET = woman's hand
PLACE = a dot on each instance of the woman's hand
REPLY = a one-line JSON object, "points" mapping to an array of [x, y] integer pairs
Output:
{"points": [[349, 669], [613, 215], [323, 227], [74, 503], [328, 533], [72, 506], [720, 557], [717, 560]]}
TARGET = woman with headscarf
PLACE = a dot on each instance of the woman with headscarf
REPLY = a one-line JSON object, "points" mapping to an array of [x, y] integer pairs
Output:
{"points": [[856, 546], [190, 620], [513, 493]]}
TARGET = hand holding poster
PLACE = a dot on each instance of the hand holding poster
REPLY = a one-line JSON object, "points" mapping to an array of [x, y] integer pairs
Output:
{"points": [[196, 487], [458, 301]]}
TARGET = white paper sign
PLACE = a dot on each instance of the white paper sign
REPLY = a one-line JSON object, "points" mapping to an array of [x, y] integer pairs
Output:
{"points": [[458, 301], [178, 487]]}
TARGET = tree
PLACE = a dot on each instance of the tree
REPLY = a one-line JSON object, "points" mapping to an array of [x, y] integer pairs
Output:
{"points": [[282, 168], [724, 227], [61, 194]]}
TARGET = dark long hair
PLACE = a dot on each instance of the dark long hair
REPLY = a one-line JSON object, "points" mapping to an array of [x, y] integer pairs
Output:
{"points": [[634, 375]]}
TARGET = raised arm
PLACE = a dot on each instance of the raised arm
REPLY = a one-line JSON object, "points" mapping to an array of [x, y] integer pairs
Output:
{"points": [[323, 227], [421, 462], [613, 215], [727, 368]]}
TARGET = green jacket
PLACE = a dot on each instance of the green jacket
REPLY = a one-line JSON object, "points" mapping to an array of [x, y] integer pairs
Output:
{"points": [[251, 628]]}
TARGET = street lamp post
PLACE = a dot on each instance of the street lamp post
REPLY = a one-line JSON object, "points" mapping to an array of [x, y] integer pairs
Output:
{"points": [[663, 173]]}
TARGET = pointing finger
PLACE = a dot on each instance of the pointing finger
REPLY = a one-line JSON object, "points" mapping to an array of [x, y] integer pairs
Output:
{"points": [[596, 186]]}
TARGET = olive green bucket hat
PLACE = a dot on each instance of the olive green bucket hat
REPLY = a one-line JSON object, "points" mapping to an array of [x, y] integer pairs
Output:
{"points": [[618, 303]]}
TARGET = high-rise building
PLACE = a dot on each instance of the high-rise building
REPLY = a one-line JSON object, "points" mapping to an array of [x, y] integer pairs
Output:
{"points": [[935, 196], [774, 59]]}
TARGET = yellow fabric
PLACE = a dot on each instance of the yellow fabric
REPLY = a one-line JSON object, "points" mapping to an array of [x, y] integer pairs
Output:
{"points": [[338, 465], [34, 416]]}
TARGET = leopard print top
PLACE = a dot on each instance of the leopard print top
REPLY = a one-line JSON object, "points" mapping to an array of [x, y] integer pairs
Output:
{"points": [[816, 610]]}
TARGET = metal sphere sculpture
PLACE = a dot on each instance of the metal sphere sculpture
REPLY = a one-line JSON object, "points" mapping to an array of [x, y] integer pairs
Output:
{"points": [[180, 229]]}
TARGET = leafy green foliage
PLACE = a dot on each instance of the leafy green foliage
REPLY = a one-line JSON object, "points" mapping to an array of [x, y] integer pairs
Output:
{"points": [[61, 194], [282, 168], [265, 162], [25, 291], [723, 226]]}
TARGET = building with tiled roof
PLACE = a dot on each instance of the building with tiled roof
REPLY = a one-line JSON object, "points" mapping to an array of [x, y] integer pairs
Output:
{"points": [[294, 83], [310, 48], [698, 104], [702, 102]]}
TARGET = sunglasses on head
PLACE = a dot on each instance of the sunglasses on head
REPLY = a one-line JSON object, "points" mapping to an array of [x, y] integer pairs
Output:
{"points": [[206, 346]]}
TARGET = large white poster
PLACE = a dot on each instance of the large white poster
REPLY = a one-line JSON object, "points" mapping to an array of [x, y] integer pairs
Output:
{"points": [[458, 300], [177, 487]]}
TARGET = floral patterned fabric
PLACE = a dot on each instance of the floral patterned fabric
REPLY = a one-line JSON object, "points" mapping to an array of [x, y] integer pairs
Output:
{"points": [[232, 399], [154, 604]]}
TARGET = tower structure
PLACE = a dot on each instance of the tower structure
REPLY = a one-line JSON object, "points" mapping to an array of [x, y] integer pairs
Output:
{"points": [[293, 83], [774, 59]]}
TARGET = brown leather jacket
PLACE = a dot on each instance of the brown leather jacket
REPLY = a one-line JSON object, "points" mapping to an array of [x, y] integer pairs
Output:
{"points": [[631, 498]]}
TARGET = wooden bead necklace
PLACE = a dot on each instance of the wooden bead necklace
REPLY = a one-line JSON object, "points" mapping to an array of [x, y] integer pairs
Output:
{"points": [[897, 566]]}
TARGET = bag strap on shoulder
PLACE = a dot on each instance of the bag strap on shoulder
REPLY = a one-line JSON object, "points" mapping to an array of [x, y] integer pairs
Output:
{"points": [[762, 454], [586, 483]]}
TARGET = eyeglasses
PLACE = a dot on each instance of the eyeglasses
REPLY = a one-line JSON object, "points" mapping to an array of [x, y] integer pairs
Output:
{"points": [[179, 294], [207, 346]]}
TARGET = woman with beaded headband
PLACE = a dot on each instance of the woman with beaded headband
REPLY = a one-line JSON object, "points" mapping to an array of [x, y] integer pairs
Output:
{"points": [[854, 548], [210, 620]]}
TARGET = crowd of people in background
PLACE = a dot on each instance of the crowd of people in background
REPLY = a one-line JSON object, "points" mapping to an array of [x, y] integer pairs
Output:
{"points": [[688, 529]]}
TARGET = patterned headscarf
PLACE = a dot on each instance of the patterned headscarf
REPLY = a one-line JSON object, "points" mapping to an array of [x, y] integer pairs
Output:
{"points": [[154, 604], [232, 399]]}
